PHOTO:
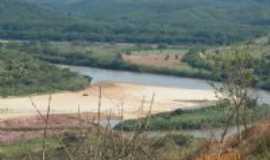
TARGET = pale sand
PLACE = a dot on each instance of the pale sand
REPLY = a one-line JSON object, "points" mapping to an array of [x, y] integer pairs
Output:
{"points": [[114, 95]]}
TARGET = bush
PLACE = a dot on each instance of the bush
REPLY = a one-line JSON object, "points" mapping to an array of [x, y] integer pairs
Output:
{"points": [[212, 117], [22, 74]]}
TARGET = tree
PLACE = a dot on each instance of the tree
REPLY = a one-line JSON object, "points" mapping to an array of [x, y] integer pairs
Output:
{"points": [[235, 68]]}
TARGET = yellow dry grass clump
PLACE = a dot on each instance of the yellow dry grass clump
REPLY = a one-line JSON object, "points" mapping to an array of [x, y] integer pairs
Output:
{"points": [[233, 155]]}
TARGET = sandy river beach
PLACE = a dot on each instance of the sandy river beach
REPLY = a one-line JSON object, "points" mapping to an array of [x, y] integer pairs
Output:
{"points": [[132, 100]]}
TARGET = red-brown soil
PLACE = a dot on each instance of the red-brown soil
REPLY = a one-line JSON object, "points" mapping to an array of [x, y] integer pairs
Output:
{"points": [[25, 128]]}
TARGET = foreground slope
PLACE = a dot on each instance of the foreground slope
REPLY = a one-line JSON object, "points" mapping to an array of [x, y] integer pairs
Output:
{"points": [[255, 145]]}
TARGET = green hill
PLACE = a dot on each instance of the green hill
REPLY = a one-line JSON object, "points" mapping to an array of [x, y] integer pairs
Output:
{"points": [[151, 21], [21, 20], [205, 21]]}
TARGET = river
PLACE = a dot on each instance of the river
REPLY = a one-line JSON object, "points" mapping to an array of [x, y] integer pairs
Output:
{"points": [[101, 75]]}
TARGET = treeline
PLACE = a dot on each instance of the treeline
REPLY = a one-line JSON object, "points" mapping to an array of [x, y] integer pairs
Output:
{"points": [[88, 32], [21, 74], [171, 22]]}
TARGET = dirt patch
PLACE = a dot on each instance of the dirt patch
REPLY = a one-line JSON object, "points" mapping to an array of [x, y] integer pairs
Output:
{"points": [[26, 128], [171, 61]]}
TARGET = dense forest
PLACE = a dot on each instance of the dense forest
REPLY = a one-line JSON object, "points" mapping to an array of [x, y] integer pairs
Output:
{"points": [[141, 21]]}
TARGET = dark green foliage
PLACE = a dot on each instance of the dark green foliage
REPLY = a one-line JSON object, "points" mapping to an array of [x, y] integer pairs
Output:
{"points": [[58, 54], [263, 72], [21, 74], [140, 21], [263, 144], [195, 59], [261, 148]]}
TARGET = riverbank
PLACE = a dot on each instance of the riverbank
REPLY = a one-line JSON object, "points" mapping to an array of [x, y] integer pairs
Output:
{"points": [[179, 61], [116, 98], [144, 58]]}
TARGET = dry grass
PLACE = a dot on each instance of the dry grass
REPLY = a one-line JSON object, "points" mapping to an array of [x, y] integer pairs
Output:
{"points": [[254, 144], [233, 155], [170, 61], [156, 60]]}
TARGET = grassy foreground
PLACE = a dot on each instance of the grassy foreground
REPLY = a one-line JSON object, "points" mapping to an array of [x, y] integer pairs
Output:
{"points": [[109, 145], [104, 145]]}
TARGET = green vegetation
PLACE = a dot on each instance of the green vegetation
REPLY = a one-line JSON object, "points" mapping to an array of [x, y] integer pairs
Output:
{"points": [[140, 21], [72, 53], [262, 148], [23, 147], [104, 55], [72, 144], [204, 58], [195, 63], [21, 74], [62, 32], [209, 117]]}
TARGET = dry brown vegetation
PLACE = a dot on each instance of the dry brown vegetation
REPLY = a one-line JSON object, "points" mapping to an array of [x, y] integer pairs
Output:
{"points": [[30, 127], [170, 60], [255, 144]]}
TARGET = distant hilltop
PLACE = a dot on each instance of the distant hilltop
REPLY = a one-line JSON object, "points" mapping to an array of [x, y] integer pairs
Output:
{"points": [[141, 21]]}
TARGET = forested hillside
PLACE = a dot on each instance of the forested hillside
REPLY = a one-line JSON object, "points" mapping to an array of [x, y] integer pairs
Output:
{"points": [[140, 21], [21, 20]]}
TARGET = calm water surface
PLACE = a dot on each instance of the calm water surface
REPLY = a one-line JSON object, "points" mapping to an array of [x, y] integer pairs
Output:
{"points": [[101, 75]]}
